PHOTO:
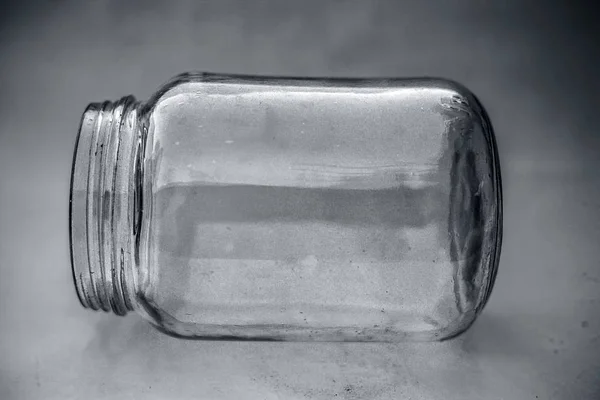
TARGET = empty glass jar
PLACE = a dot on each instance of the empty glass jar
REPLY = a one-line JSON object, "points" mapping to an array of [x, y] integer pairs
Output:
{"points": [[256, 208]]}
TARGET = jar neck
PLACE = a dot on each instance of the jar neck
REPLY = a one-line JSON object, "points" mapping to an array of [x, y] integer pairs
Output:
{"points": [[105, 205]]}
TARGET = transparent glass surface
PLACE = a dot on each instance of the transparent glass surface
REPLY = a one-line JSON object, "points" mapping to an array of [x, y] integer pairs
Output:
{"points": [[290, 209]]}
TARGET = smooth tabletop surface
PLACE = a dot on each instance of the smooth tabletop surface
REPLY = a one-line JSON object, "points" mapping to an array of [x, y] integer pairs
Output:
{"points": [[532, 64]]}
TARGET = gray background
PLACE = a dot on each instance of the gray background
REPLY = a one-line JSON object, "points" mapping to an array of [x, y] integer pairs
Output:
{"points": [[534, 65]]}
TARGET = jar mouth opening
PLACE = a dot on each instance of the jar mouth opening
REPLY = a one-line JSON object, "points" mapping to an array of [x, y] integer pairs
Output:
{"points": [[99, 205]]}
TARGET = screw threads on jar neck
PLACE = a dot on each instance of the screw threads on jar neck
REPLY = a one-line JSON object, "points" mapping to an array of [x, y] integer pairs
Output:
{"points": [[103, 209]]}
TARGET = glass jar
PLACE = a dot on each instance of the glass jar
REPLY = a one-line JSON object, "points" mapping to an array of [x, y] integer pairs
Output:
{"points": [[264, 208]]}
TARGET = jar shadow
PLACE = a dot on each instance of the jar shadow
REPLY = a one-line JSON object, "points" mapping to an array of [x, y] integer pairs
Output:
{"points": [[131, 348]]}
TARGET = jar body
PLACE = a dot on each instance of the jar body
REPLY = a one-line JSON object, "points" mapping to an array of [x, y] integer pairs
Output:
{"points": [[278, 209]]}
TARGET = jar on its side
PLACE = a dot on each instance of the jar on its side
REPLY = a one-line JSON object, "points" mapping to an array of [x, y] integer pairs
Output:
{"points": [[264, 208]]}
